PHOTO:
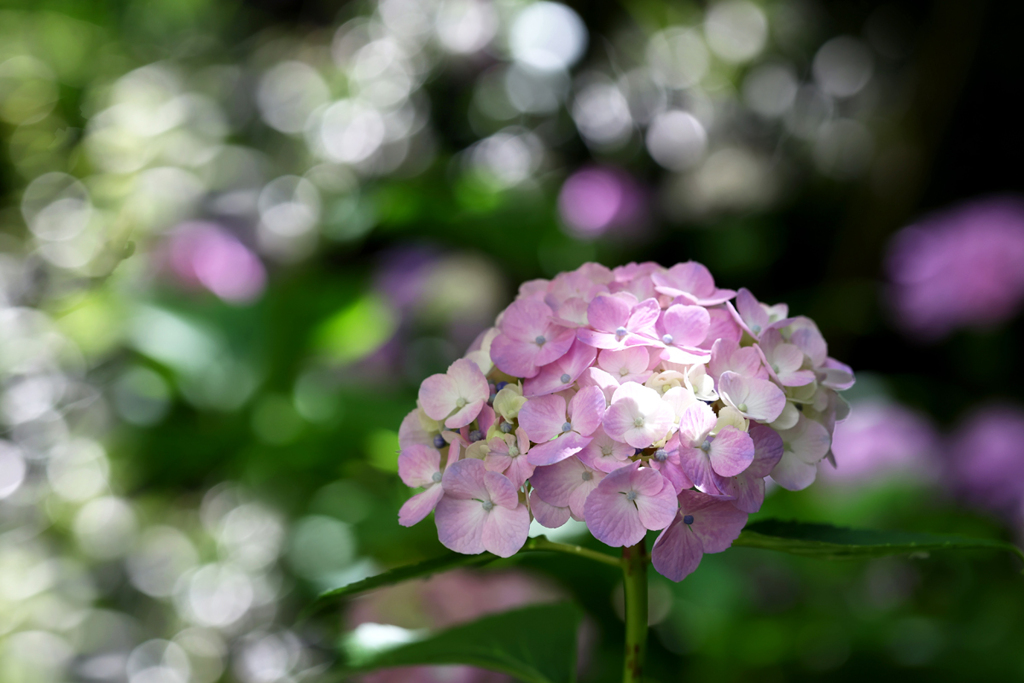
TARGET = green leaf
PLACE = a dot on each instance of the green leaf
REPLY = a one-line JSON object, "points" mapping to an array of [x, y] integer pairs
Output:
{"points": [[536, 644], [830, 542], [451, 561], [398, 575]]}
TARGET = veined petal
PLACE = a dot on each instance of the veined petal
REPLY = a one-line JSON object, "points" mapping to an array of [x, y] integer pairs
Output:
{"points": [[438, 396], [500, 490], [586, 410], [678, 551], [657, 510], [606, 313], [548, 515], [525, 319], [612, 518], [543, 417], [505, 530], [418, 464], [465, 479], [767, 449], [717, 523], [792, 473], [687, 325], [419, 506], [515, 357], [460, 523], [731, 452], [756, 399], [557, 450], [555, 483]]}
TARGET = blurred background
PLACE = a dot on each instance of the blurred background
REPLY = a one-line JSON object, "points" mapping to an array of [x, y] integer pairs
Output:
{"points": [[235, 236]]}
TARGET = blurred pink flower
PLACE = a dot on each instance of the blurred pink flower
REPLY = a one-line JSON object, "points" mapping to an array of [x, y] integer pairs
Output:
{"points": [[962, 267], [205, 255], [985, 461], [596, 201], [444, 601], [880, 441]]}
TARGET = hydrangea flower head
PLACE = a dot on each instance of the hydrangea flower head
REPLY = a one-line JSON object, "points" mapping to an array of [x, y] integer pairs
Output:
{"points": [[635, 399]]}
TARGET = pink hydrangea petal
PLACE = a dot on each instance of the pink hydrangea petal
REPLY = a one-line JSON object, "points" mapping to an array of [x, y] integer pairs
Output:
{"points": [[514, 357], [836, 375], [465, 479], [543, 417], [497, 461], [612, 518], [684, 356], [607, 313], [465, 415], [723, 326], [745, 490], [809, 440], [586, 410], [677, 552], [593, 454], [731, 452], [548, 515], [555, 483], [767, 449], [697, 466], [563, 372], [717, 523], [418, 464], [419, 506], [792, 473], [673, 472], [411, 431], [757, 399], [469, 380], [598, 340], [519, 470], [558, 342], [500, 490], [578, 496], [753, 315], [572, 312], [460, 523], [688, 325], [643, 317], [555, 451], [599, 378], [620, 418], [525, 319], [657, 510], [505, 530], [625, 364], [438, 395], [695, 423]]}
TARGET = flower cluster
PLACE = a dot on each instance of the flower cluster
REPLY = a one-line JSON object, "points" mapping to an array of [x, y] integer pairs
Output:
{"points": [[635, 399]]}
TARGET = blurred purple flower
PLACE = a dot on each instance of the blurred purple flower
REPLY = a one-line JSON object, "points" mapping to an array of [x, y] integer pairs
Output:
{"points": [[205, 255], [881, 441], [985, 461], [961, 267], [403, 273], [597, 201], [444, 601]]}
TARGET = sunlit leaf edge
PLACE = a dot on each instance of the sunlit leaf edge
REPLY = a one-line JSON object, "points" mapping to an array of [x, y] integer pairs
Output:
{"points": [[832, 542]]}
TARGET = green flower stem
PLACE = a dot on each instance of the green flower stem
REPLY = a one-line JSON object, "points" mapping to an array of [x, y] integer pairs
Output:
{"points": [[542, 543], [634, 570]]}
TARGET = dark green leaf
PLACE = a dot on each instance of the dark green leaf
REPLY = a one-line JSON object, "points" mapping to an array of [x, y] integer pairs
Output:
{"points": [[412, 571], [536, 644], [826, 541], [450, 561]]}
